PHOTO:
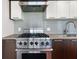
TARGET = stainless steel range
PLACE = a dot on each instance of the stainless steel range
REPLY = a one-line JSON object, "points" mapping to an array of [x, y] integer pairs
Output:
{"points": [[33, 40], [33, 43]]}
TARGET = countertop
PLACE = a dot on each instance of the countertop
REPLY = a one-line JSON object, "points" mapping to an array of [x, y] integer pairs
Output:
{"points": [[52, 36]]}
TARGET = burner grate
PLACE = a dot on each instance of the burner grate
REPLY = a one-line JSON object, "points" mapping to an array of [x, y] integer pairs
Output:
{"points": [[29, 35]]}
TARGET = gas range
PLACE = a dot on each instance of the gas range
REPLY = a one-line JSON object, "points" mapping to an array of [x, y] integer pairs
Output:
{"points": [[33, 46], [33, 40]]}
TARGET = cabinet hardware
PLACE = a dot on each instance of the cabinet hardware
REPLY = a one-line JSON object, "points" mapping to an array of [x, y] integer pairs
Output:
{"points": [[74, 40], [58, 40]]}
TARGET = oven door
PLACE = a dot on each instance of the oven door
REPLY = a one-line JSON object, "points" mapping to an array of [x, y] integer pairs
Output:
{"points": [[33, 55], [30, 55]]}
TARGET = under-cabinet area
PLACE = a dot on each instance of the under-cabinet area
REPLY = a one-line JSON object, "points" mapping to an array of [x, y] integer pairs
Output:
{"points": [[62, 49]]}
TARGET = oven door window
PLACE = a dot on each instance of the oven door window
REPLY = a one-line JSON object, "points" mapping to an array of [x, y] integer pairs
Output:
{"points": [[33, 56]]}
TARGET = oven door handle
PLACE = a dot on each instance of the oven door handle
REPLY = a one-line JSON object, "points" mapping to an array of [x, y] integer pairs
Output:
{"points": [[34, 50]]}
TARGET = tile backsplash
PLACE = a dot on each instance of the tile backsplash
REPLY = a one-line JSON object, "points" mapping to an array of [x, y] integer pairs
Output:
{"points": [[38, 20]]}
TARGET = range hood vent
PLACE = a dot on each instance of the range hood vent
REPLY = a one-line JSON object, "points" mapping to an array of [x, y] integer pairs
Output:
{"points": [[33, 6]]}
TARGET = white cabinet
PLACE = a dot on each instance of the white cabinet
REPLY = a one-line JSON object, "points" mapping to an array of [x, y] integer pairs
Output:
{"points": [[61, 9], [73, 9], [51, 11], [15, 10]]}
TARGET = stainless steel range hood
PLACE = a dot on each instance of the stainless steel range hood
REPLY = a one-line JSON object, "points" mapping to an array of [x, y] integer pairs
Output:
{"points": [[33, 6]]}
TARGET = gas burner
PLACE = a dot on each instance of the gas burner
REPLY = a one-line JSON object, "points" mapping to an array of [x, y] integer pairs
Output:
{"points": [[33, 35]]}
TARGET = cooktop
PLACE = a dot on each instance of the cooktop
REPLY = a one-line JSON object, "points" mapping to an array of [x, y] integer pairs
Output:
{"points": [[31, 35]]}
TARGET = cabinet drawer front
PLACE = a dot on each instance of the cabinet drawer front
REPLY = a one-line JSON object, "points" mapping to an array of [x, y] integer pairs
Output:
{"points": [[58, 40], [74, 40]]}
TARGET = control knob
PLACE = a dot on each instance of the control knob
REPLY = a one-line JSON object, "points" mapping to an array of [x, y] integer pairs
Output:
{"points": [[25, 43], [31, 43], [47, 43], [20, 43], [36, 43], [42, 43]]}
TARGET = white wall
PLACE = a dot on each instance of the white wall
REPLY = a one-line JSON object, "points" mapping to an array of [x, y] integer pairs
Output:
{"points": [[7, 24]]}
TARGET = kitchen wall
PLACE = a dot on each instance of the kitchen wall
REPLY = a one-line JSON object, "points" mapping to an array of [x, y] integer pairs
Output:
{"points": [[7, 24], [33, 20]]}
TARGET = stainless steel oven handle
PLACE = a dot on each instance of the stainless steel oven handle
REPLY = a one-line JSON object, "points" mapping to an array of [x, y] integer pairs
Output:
{"points": [[34, 50]]}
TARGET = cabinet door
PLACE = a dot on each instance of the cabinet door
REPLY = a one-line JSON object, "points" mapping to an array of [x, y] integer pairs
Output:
{"points": [[58, 49], [73, 49], [70, 49], [15, 10], [73, 9], [67, 49], [62, 9], [8, 49], [57, 9], [51, 11]]}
